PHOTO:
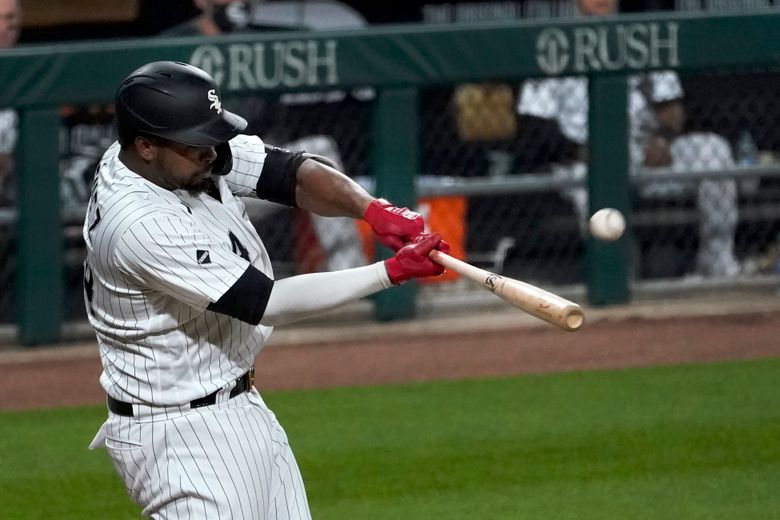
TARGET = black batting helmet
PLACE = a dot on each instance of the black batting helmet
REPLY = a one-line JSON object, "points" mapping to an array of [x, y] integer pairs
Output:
{"points": [[175, 101]]}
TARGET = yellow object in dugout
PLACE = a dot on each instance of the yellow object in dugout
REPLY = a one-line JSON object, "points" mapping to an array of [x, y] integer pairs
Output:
{"points": [[485, 111]]}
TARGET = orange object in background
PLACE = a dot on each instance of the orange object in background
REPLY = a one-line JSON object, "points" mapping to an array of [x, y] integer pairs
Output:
{"points": [[445, 215], [307, 252], [367, 239]]}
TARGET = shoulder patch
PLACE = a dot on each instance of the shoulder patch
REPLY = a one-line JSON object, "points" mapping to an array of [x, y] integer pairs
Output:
{"points": [[202, 256]]}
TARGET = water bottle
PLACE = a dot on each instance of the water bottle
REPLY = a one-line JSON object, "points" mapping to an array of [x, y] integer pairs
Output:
{"points": [[746, 156], [500, 163]]}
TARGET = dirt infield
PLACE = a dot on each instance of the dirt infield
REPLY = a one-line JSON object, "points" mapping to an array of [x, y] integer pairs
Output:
{"points": [[495, 344]]}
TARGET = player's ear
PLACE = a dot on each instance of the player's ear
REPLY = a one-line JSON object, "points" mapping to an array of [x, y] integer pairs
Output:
{"points": [[145, 147]]}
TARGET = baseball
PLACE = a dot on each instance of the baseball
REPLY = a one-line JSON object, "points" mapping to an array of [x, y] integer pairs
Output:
{"points": [[607, 224]]}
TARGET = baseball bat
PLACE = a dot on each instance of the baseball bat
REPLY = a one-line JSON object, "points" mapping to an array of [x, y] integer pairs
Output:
{"points": [[529, 298]]}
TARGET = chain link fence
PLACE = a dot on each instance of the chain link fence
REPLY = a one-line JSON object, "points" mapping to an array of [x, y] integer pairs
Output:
{"points": [[503, 178], [704, 161]]}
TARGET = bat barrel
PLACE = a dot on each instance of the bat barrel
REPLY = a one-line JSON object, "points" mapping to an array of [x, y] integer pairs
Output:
{"points": [[568, 318], [574, 319], [538, 302]]}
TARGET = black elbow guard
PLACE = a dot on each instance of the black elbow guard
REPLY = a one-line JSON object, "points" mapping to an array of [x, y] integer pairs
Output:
{"points": [[279, 176], [247, 299]]}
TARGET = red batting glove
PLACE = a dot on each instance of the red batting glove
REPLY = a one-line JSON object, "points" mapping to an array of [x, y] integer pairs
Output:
{"points": [[393, 226], [412, 260]]}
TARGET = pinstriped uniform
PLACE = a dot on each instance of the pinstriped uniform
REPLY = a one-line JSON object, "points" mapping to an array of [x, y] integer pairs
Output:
{"points": [[9, 122], [155, 260]]}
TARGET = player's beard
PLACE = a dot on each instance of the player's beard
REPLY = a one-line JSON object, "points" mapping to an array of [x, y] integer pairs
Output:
{"points": [[201, 183], [199, 186]]}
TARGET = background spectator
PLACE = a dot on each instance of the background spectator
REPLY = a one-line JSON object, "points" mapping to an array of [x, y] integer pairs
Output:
{"points": [[85, 133], [10, 25], [212, 19], [657, 120]]}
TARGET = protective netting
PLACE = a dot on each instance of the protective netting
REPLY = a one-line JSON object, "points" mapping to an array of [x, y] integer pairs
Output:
{"points": [[704, 164], [332, 124], [515, 149]]}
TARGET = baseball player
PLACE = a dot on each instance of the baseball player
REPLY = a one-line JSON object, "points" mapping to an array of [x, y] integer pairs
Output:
{"points": [[10, 27], [180, 291]]}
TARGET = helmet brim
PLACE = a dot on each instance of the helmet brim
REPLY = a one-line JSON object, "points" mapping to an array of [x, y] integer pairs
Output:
{"points": [[212, 133]]}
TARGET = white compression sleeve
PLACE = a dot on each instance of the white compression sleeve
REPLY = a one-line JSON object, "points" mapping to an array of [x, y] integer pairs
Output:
{"points": [[305, 295]]}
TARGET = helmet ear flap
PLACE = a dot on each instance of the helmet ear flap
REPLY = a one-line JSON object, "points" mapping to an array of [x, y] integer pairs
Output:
{"points": [[224, 161]]}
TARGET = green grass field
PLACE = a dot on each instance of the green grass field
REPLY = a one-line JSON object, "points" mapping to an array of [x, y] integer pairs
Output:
{"points": [[700, 441]]}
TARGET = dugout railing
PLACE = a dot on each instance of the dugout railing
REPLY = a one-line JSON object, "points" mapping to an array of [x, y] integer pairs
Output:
{"points": [[397, 62]]}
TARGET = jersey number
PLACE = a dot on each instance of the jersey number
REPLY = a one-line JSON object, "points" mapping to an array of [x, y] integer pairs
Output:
{"points": [[238, 247], [88, 282], [96, 221]]}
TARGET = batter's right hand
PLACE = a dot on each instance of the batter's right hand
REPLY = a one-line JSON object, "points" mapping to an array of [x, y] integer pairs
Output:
{"points": [[393, 226], [412, 260]]}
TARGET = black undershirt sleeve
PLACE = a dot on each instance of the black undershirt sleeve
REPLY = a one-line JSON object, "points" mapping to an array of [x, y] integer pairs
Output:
{"points": [[278, 179], [247, 299]]}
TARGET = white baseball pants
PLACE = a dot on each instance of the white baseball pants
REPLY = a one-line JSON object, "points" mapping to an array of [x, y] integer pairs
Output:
{"points": [[230, 460]]}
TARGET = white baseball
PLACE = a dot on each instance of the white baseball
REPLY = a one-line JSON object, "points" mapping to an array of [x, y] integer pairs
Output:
{"points": [[607, 224]]}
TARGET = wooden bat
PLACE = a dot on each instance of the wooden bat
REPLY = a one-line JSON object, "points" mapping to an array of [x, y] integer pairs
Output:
{"points": [[529, 298]]}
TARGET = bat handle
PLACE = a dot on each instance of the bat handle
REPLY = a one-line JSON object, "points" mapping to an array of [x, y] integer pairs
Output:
{"points": [[459, 266]]}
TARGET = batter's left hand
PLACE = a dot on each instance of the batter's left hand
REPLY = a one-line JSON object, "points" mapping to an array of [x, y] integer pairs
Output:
{"points": [[393, 226], [412, 260]]}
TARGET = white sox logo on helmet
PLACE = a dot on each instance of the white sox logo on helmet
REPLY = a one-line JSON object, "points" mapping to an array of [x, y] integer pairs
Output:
{"points": [[216, 104]]}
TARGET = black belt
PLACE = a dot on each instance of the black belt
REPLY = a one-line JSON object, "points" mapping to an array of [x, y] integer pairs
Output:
{"points": [[243, 384]]}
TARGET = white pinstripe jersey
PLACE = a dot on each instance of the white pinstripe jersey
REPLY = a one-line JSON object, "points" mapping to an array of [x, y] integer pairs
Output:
{"points": [[155, 260], [9, 122]]}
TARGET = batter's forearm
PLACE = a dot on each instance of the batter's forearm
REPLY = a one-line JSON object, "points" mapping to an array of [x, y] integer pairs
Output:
{"points": [[326, 191], [306, 295]]}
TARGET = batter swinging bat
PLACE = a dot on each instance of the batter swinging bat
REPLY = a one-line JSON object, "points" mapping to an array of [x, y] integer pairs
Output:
{"points": [[529, 298]]}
